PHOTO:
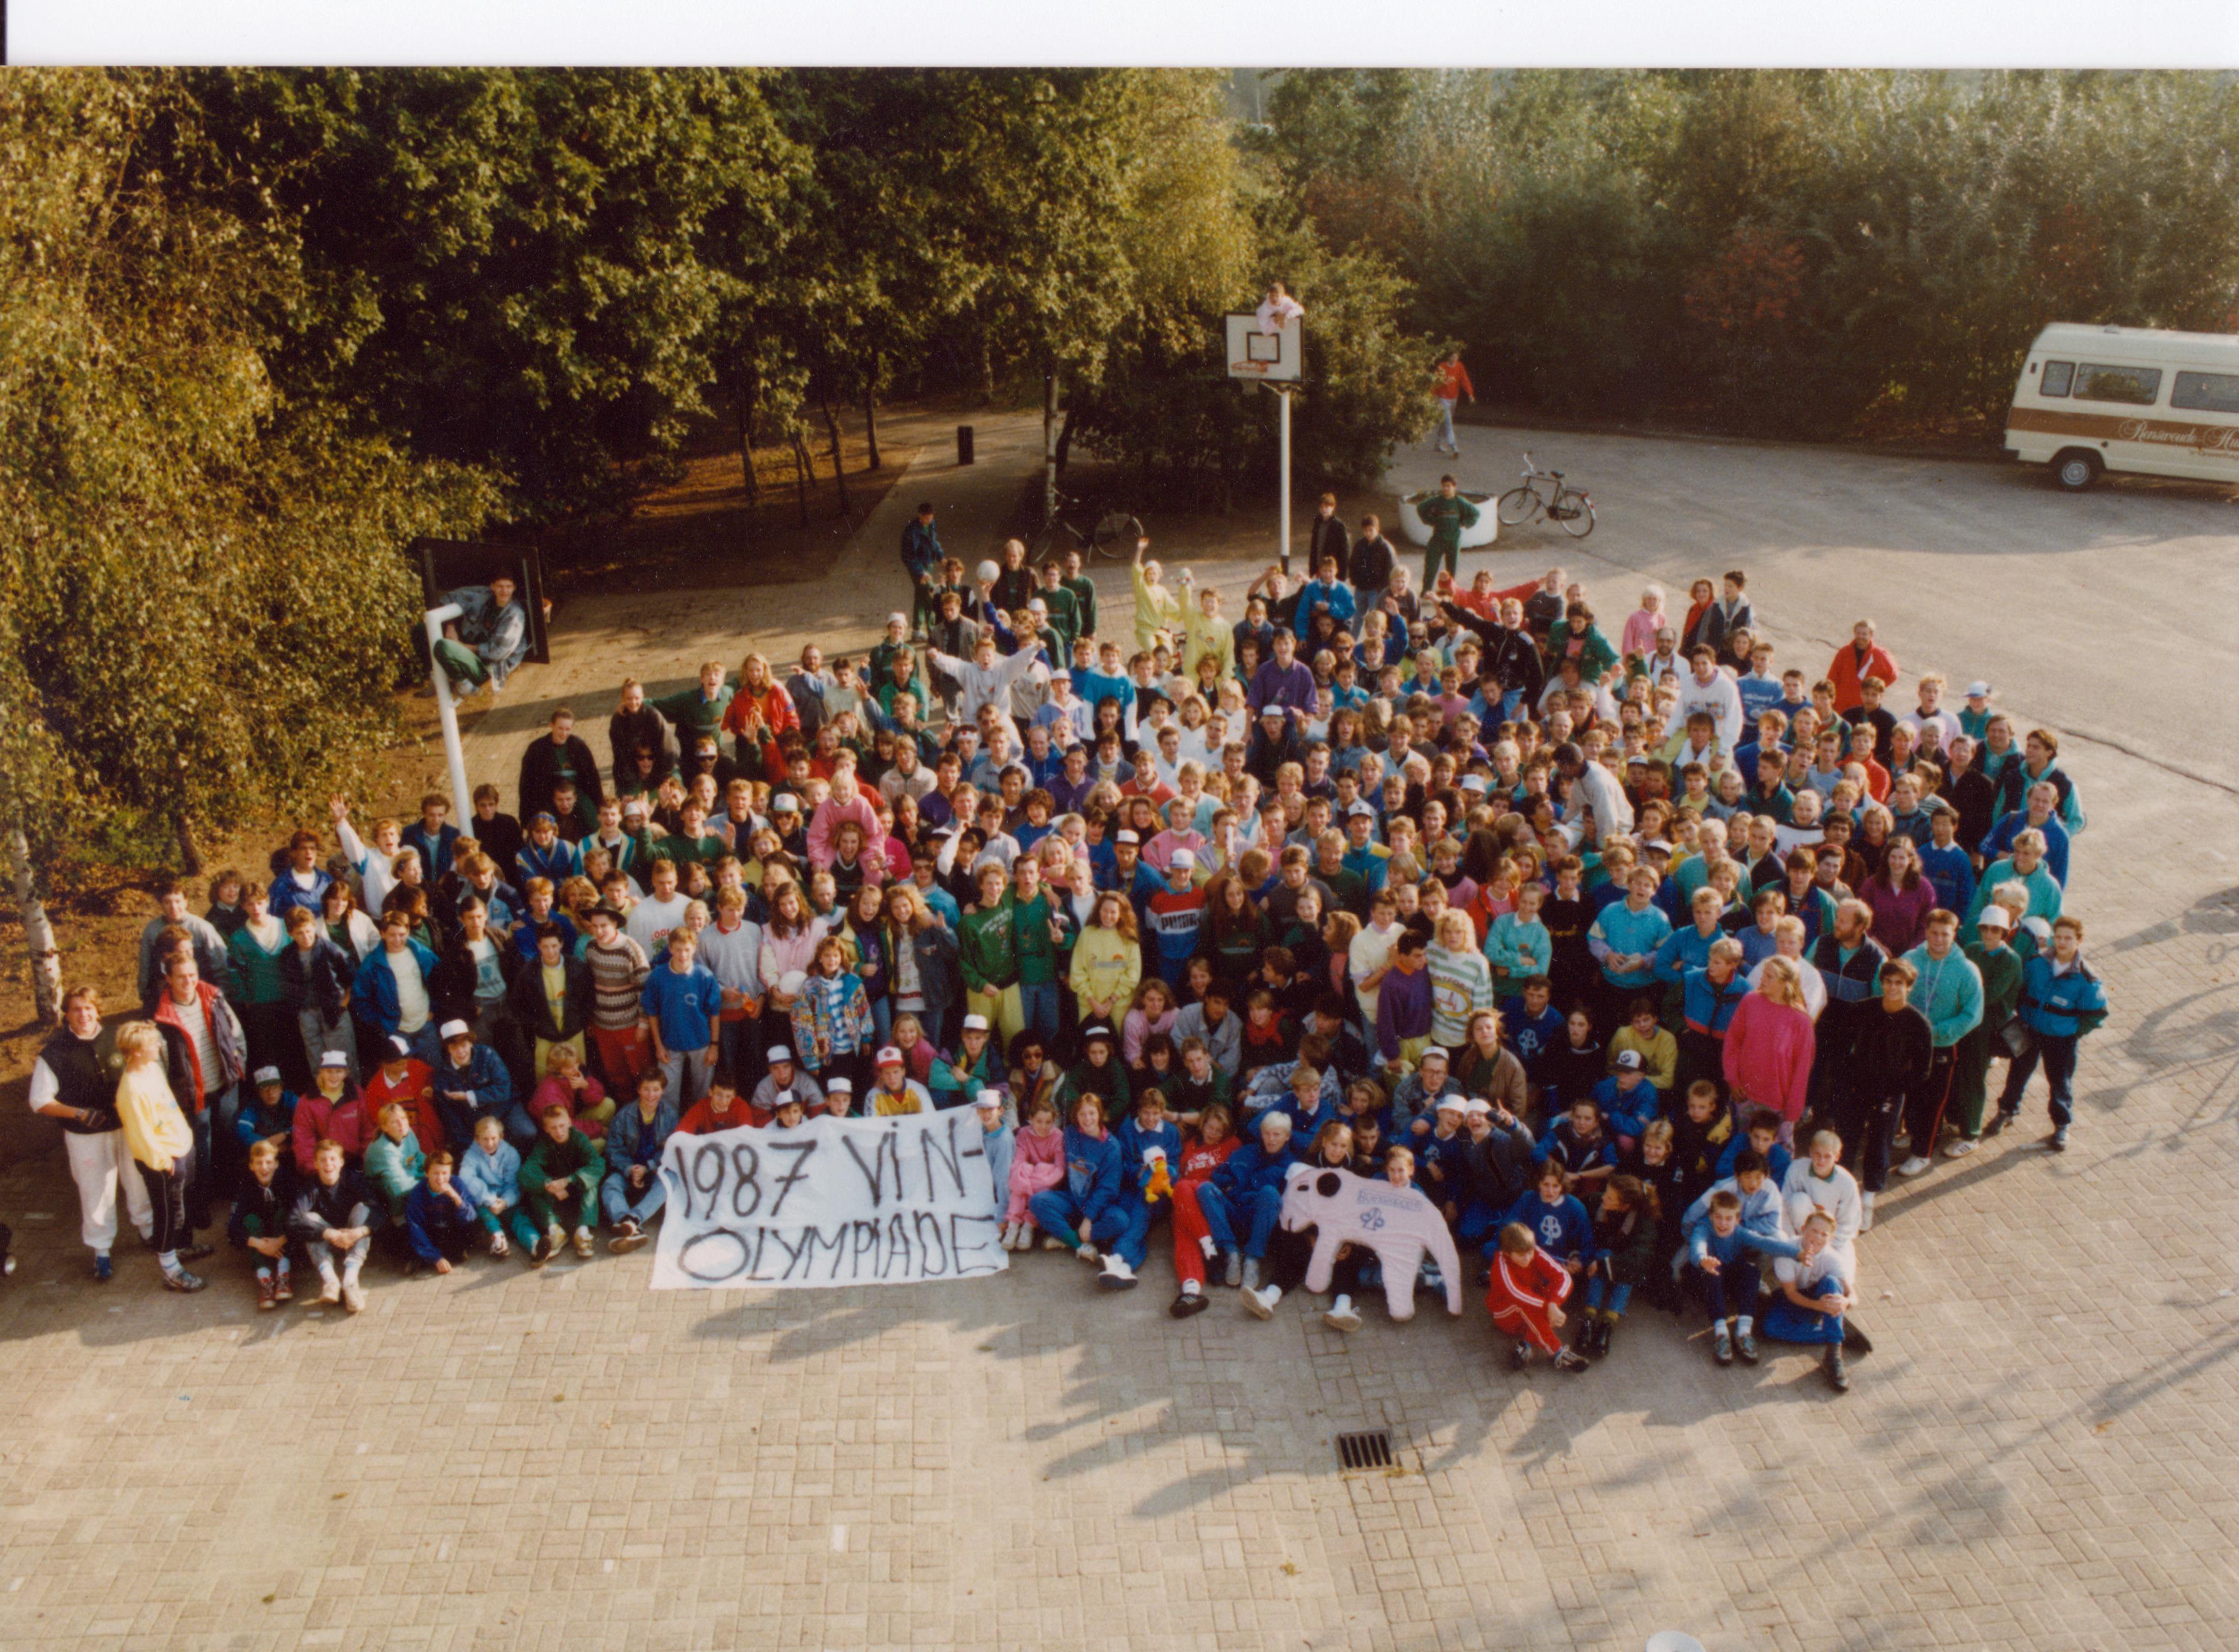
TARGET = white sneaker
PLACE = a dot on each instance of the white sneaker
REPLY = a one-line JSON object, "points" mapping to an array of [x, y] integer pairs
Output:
{"points": [[498, 1247], [1866, 1207], [1009, 1237], [1260, 1305], [1051, 1241], [1117, 1275], [1087, 1252], [1960, 1148], [1342, 1316], [1914, 1165]]}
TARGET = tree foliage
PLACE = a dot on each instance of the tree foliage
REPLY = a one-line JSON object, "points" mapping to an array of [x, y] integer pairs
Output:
{"points": [[207, 600]]}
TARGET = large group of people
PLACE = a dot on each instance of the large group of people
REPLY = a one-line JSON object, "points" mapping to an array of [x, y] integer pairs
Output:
{"points": [[1644, 958]]}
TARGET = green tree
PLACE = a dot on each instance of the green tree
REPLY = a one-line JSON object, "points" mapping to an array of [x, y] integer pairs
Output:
{"points": [[208, 600]]}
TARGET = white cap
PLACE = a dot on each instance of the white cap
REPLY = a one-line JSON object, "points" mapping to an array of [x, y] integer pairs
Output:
{"points": [[1628, 1060], [1473, 782], [898, 619], [269, 1075], [785, 802], [976, 1024], [888, 1057], [1453, 1104], [1183, 860], [1127, 836], [1359, 808], [776, 1053], [335, 1058], [457, 1030], [842, 1086], [1996, 917], [1477, 1104], [1438, 1050], [990, 1099], [1978, 690]]}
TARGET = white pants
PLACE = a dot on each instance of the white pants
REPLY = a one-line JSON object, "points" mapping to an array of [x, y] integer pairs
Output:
{"points": [[96, 1163]]}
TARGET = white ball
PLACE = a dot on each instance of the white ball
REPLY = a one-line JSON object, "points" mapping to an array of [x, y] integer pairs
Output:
{"points": [[988, 571]]}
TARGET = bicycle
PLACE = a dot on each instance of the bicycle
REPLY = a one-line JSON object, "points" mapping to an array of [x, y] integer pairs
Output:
{"points": [[1570, 508], [1095, 529]]}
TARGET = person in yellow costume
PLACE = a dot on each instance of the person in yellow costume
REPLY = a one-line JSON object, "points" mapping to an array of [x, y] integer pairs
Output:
{"points": [[1156, 608]]}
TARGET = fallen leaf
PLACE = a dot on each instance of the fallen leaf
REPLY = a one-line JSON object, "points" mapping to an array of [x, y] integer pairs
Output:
{"points": [[1290, 1569], [269, 1599]]}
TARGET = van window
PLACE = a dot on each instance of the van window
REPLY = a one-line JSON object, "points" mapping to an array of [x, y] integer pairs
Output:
{"points": [[2206, 392], [2058, 377], [2136, 385]]}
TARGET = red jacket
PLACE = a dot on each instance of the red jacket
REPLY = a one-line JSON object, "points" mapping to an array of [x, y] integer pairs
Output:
{"points": [[1454, 382], [1847, 673], [348, 1123], [1533, 1287], [416, 1090]]}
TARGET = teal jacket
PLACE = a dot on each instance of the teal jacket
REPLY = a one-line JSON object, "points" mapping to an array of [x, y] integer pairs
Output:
{"points": [[1949, 993], [1446, 518]]}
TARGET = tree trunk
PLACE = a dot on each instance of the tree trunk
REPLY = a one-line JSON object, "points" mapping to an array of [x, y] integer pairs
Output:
{"points": [[804, 472], [1064, 435], [746, 439], [190, 853], [38, 934], [839, 456], [871, 413], [1049, 445]]}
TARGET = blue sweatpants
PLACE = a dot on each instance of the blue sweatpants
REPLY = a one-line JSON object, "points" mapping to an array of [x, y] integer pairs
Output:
{"points": [[1222, 1213], [1134, 1242], [1056, 1211], [1786, 1322]]}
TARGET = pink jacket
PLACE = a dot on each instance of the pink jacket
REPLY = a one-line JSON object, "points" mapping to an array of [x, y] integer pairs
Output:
{"points": [[829, 814], [1138, 1030], [1640, 627], [1037, 1162], [1768, 1057]]}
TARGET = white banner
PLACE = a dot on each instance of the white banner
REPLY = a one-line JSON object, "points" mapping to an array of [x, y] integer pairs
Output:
{"points": [[835, 1202]]}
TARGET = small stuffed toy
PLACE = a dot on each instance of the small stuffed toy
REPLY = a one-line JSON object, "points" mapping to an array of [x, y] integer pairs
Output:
{"points": [[1159, 1186]]}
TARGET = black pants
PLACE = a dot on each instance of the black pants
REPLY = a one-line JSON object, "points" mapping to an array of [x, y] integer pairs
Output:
{"points": [[1288, 1254], [167, 1193], [1923, 1108], [1866, 1120]]}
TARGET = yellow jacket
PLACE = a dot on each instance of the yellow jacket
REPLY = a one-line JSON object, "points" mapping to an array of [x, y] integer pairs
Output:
{"points": [[1106, 965], [1205, 636], [154, 1128]]}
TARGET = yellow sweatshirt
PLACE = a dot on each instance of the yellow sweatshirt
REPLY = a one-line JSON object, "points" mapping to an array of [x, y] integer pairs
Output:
{"points": [[154, 1128]]}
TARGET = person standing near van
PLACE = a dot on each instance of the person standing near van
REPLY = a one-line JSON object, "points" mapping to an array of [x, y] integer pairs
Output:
{"points": [[1453, 385]]}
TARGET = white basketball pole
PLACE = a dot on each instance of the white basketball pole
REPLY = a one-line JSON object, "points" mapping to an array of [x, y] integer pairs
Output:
{"points": [[1284, 396], [462, 803]]}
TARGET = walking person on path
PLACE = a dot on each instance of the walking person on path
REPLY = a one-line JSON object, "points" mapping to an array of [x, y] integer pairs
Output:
{"points": [[1453, 384]]}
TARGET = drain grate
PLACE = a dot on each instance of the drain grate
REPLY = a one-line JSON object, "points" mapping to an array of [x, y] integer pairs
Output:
{"points": [[1372, 1450]]}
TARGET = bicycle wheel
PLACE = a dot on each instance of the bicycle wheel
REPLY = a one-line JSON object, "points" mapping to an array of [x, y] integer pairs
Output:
{"points": [[1038, 549], [1579, 521], [1115, 534], [1517, 505]]}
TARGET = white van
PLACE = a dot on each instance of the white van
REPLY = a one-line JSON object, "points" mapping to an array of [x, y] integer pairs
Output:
{"points": [[2128, 398]]}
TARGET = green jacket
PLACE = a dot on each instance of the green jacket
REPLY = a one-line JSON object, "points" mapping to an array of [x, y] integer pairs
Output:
{"points": [[256, 972], [987, 947], [395, 1168], [2002, 983], [1064, 607], [1595, 654], [1030, 929], [694, 716], [1446, 518], [577, 1159], [1084, 593]]}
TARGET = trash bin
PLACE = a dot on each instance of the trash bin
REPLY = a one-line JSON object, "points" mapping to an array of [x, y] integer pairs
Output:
{"points": [[964, 444]]}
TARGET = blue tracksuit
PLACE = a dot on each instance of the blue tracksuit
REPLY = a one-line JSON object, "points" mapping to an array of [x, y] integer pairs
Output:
{"points": [[1562, 1144], [1628, 1113], [1085, 1206], [1248, 1187], [1562, 1231], [1135, 1142], [1530, 1036]]}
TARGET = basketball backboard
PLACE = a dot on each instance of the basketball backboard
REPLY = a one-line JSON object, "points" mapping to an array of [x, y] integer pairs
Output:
{"points": [[1266, 357]]}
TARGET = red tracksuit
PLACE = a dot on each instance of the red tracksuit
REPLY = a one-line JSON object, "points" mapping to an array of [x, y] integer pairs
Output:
{"points": [[1522, 1293], [1199, 1162]]}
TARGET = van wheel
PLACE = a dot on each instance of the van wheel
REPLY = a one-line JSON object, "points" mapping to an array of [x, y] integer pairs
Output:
{"points": [[2076, 468]]}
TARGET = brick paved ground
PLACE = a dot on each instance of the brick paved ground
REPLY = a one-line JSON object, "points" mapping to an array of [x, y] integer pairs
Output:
{"points": [[2040, 1454]]}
